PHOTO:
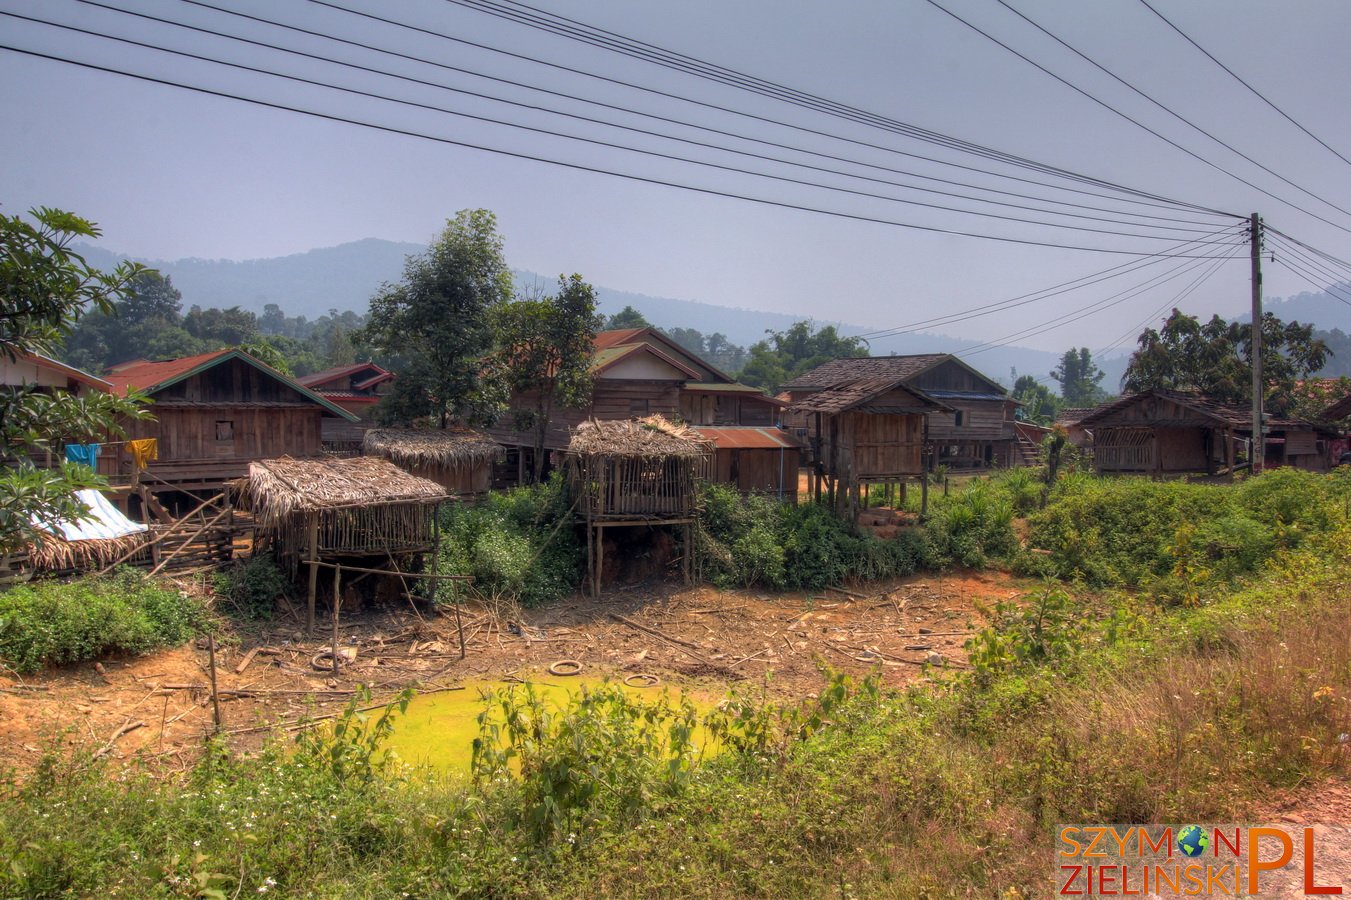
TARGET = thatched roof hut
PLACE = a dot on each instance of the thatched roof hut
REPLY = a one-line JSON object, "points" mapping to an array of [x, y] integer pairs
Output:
{"points": [[645, 469], [459, 459], [102, 536], [360, 506]]}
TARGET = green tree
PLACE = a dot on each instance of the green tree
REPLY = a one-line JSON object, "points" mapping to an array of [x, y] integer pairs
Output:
{"points": [[1080, 378], [1039, 405], [1214, 358], [545, 355], [786, 354], [437, 323], [44, 288], [628, 317]]}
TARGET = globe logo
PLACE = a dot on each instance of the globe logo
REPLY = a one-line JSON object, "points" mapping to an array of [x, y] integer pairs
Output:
{"points": [[1192, 841]]}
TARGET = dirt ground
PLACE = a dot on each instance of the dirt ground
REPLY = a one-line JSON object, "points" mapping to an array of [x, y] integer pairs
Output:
{"points": [[157, 709]]}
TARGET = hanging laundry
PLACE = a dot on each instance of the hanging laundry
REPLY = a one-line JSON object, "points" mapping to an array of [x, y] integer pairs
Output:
{"points": [[83, 453], [144, 451]]}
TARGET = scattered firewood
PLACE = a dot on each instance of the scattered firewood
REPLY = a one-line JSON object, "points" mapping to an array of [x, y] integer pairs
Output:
{"points": [[248, 658], [670, 640], [127, 727]]}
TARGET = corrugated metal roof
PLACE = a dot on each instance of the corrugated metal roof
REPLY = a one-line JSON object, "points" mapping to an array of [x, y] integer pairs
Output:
{"points": [[728, 437]]}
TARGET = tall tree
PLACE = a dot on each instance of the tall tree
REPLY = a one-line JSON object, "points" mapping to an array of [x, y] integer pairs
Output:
{"points": [[1080, 378], [437, 322], [44, 288], [1039, 405], [628, 317], [545, 355], [1214, 358], [787, 354]]}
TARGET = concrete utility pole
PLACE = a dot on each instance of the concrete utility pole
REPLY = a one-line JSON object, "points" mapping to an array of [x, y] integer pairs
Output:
{"points": [[1259, 443]]}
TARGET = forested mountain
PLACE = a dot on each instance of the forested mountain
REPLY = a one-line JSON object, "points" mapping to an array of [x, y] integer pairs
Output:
{"points": [[343, 278]]}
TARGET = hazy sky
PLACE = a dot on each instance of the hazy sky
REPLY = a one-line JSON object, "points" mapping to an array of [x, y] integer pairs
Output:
{"points": [[169, 172]]}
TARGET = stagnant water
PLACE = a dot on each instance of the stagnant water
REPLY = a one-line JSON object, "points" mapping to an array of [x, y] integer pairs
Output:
{"points": [[438, 730]]}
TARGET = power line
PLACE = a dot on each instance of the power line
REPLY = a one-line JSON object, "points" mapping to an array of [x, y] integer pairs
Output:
{"points": [[1312, 280], [1034, 296], [588, 119], [1136, 122], [1175, 115], [571, 29], [1236, 77], [1327, 256], [599, 142], [1083, 312], [779, 204], [1171, 301]]}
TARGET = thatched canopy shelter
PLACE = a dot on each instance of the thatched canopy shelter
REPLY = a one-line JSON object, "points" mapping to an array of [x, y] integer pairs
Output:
{"points": [[645, 469], [361, 506], [102, 536], [459, 459], [643, 473]]}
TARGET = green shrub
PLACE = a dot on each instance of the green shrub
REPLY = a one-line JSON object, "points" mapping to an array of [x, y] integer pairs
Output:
{"points": [[521, 544], [251, 588], [970, 525], [52, 623]]}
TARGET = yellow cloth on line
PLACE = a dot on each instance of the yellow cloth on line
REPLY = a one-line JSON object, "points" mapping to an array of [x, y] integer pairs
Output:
{"points": [[144, 451]]}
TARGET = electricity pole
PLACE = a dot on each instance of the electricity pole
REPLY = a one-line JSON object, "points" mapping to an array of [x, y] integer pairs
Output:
{"points": [[1259, 442]]}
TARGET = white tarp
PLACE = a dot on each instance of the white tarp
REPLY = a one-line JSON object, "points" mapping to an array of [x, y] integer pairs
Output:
{"points": [[104, 521]]}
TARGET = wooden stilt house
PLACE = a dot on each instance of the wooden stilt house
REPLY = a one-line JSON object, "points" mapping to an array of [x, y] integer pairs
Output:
{"points": [[360, 510], [643, 473], [1166, 433], [866, 432]]}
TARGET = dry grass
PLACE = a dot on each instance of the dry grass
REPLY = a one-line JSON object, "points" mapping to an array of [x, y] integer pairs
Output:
{"points": [[651, 437], [54, 553], [450, 448], [276, 489]]}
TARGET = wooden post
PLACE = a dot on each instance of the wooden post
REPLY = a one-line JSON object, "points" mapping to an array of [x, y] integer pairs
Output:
{"points": [[600, 556], [337, 604], [211, 660], [689, 553], [312, 526], [1258, 437]]}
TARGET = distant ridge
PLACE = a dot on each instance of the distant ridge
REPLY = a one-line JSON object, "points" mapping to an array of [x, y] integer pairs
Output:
{"points": [[344, 277]]}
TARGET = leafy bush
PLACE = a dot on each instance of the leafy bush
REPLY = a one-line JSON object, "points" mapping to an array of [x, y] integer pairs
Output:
{"points": [[973, 524], [1170, 534], [750, 540], [53, 623], [251, 588], [520, 544]]}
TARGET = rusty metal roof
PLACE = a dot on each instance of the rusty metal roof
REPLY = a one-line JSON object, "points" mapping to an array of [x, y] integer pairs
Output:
{"points": [[741, 437]]}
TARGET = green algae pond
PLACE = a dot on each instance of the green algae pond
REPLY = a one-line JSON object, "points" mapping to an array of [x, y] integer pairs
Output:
{"points": [[438, 730]]}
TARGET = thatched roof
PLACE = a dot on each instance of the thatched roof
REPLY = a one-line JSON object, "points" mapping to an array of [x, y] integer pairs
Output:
{"points": [[277, 488], [651, 437], [432, 447]]}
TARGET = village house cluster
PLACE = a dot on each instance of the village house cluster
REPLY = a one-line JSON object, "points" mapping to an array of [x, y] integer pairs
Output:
{"points": [[236, 454]]}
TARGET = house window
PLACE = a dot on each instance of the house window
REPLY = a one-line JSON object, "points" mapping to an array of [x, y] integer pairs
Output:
{"points": [[958, 418], [638, 407], [225, 430]]}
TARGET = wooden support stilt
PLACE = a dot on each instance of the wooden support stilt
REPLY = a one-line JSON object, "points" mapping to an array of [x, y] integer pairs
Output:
{"points": [[337, 604], [312, 526], [215, 694]]}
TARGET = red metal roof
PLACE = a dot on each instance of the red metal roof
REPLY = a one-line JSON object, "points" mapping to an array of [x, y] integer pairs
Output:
{"points": [[143, 375], [727, 437], [315, 378]]}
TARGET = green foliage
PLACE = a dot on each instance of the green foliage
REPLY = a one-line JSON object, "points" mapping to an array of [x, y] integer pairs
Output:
{"points": [[437, 323], [757, 540], [1039, 404], [1080, 378], [352, 749], [519, 544], [628, 317], [251, 588], [1215, 359], [566, 785], [1047, 629], [974, 524], [1168, 535], [45, 287], [787, 354], [52, 623], [545, 348]]}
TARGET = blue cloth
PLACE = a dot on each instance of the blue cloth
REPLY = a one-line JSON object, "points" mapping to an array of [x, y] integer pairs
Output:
{"points": [[83, 453]]}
